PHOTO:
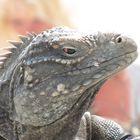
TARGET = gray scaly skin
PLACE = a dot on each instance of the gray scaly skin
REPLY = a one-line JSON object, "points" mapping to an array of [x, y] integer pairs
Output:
{"points": [[49, 80]]}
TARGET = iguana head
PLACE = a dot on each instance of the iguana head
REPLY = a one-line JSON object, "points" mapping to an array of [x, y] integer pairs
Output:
{"points": [[54, 71]]}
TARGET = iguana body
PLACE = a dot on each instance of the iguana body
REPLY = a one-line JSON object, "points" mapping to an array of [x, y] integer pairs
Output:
{"points": [[50, 80]]}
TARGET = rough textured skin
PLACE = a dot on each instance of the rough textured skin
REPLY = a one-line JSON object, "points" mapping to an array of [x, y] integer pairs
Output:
{"points": [[50, 80]]}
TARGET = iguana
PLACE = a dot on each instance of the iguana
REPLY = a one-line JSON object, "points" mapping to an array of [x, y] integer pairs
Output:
{"points": [[48, 81]]}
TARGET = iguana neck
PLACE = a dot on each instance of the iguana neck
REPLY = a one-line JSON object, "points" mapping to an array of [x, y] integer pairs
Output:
{"points": [[67, 127]]}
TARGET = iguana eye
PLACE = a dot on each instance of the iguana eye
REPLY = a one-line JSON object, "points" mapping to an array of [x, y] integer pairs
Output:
{"points": [[69, 50]]}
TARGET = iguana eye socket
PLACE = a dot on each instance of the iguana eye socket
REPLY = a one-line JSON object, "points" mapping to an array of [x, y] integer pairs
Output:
{"points": [[69, 50]]}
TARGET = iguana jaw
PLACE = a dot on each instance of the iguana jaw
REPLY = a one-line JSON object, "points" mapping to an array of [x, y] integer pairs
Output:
{"points": [[87, 97]]}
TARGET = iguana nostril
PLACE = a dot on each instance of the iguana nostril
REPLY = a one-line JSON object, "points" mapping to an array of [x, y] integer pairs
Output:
{"points": [[119, 39]]}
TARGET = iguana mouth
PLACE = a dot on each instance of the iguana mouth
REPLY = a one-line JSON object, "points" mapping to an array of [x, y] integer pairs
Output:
{"points": [[131, 56], [87, 70]]}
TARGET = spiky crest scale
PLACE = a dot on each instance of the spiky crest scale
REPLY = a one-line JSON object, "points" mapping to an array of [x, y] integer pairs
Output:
{"points": [[15, 43], [9, 54], [24, 39]]}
